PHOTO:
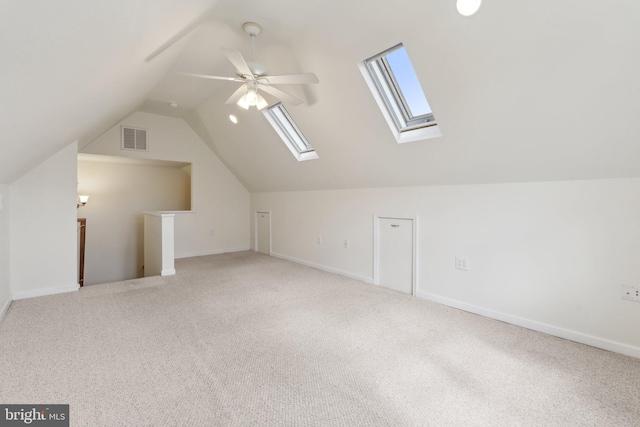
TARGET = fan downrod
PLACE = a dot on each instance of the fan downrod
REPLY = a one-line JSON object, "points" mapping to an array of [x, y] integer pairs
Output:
{"points": [[254, 29]]}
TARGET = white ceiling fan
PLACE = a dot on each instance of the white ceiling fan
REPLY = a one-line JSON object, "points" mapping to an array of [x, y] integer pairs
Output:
{"points": [[255, 77]]}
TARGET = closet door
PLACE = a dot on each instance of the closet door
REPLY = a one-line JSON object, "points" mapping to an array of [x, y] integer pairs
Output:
{"points": [[263, 223], [395, 254]]}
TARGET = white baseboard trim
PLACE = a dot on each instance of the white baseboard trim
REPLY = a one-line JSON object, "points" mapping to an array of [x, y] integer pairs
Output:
{"points": [[169, 272], [5, 307], [368, 280], [579, 337], [213, 252], [44, 292]]}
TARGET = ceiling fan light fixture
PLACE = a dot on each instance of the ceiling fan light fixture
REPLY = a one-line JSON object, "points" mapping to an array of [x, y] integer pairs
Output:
{"points": [[468, 7], [261, 103], [243, 102], [254, 76], [251, 97]]}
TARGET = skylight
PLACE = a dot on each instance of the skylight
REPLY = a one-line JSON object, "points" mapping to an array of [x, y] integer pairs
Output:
{"points": [[288, 131], [397, 90]]}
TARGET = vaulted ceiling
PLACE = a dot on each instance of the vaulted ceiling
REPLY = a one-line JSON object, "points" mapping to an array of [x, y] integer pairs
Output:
{"points": [[522, 91], [71, 69]]}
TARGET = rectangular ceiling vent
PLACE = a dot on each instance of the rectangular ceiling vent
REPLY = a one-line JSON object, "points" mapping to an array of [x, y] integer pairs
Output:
{"points": [[134, 139]]}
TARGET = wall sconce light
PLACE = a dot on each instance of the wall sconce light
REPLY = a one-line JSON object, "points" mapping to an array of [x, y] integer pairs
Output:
{"points": [[82, 200]]}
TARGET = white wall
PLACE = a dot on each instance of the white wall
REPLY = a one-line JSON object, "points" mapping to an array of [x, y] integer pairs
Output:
{"points": [[549, 256], [118, 194], [43, 227], [5, 284], [219, 201]]}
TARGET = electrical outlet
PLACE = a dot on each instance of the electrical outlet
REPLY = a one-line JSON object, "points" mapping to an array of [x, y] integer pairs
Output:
{"points": [[631, 293], [462, 263], [345, 244], [319, 240]]}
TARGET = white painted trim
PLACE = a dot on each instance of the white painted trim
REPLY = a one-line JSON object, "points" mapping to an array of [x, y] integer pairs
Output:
{"points": [[178, 212], [301, 157], [545, 328], [168, 272], [213, 252], [45, 291], [368, 280], [255, 230], [5, 307], [376, 250], [159, 243], [161, 214], [401, 137]]}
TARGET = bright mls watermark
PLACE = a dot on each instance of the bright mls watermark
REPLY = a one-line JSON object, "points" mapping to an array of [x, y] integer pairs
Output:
{"points": [[34, 415]]}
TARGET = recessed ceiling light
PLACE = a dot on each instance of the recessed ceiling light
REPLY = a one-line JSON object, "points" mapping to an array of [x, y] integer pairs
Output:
{"points": [[233, 118], [468, 7], [174, 104]]}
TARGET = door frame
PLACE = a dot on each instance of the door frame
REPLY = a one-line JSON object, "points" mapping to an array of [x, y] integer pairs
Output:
{"points": [[376, 248], [255, 229]]}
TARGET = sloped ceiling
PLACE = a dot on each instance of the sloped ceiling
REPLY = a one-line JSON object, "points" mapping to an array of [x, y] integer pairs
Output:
{"points": [[73, 68], [522, 91]]}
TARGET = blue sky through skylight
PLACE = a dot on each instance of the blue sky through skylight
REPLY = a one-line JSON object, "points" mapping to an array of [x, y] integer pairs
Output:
{"points": [[408, 81]]}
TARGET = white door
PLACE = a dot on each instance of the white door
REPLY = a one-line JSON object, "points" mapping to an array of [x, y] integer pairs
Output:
{"points": [[264, 232], [395, 254]]}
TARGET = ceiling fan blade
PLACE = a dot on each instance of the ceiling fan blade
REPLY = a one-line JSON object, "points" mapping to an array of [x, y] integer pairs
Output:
{"points": [[204, 76], [280, 94], [238, 61], [237, 95], [294, 79]]}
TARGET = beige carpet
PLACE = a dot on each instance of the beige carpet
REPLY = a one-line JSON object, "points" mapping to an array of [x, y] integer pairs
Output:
{"points": [[243, 339]]}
